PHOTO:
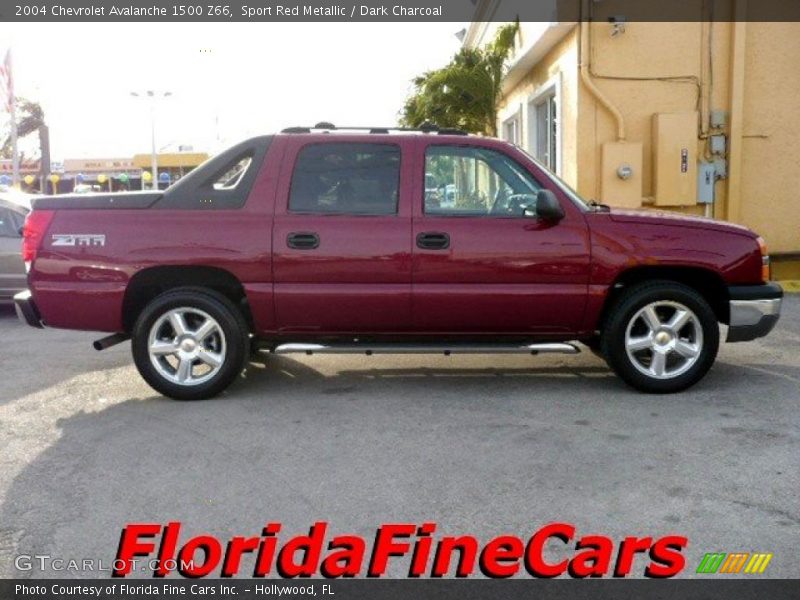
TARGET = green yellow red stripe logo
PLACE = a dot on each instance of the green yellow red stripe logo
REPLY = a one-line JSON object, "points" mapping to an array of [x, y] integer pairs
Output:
{"points": [[734, 562]]}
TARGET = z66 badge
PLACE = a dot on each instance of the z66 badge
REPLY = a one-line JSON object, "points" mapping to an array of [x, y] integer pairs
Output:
{"points": [[79, 239]]}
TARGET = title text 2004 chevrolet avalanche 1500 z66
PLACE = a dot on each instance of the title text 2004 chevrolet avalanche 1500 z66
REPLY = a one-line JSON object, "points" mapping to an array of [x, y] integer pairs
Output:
{"points": [[378, 241]]}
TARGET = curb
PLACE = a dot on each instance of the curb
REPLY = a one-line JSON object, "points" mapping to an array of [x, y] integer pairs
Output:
{"points": [[790, 286]]}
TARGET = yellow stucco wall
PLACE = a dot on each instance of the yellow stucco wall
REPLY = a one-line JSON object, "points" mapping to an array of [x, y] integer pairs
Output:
{"points": [[561, 64], [652, 52], [645, 50], [771, 134]]}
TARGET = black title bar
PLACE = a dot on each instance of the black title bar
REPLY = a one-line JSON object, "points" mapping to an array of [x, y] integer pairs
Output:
{"points": [[397, 10], [734, 588]]}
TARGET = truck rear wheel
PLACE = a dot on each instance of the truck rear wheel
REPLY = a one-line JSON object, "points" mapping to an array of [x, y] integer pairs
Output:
{"points": [[190, 343], [661, 337]]}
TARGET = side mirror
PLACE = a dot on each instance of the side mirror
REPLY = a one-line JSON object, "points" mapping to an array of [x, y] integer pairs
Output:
{"points": [[548, 207]]}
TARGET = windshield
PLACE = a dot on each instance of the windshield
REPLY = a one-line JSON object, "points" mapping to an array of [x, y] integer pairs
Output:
{"points": [[563, 186]]}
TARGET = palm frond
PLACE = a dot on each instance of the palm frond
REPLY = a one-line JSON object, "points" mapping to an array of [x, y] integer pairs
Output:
{"points": [[464, 93]]}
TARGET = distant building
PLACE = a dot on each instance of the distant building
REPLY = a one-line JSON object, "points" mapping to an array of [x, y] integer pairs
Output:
{"points": [[110, 174], [96, 166], [86, 171], [26, 167], [175, 164]]}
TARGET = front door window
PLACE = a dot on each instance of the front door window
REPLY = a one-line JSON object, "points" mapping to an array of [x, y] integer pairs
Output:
{"points": [[471, 181]]}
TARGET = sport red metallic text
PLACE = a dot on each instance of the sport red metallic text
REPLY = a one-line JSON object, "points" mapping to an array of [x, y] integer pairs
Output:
{"points": [[320, 553]]}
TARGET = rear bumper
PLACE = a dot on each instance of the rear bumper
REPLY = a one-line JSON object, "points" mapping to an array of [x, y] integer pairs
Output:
{"points": [[26, 309], [754, 311]]}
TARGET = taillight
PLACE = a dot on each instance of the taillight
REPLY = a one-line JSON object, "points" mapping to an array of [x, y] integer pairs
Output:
{"points": [[33, 233], [765, 274]]}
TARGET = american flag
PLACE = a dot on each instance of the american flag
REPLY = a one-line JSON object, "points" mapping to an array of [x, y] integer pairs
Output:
{"points": [[7, 83]]}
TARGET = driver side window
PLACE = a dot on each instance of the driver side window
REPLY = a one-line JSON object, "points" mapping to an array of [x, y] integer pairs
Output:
{"points": [[471, 181]]}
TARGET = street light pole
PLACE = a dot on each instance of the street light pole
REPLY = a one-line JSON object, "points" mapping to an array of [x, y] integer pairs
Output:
{"points": [[152, 96], [153, 155]]}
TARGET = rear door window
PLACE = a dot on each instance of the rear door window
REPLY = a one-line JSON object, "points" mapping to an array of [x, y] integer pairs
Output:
{"points": [[346, 178], [234, 175]]}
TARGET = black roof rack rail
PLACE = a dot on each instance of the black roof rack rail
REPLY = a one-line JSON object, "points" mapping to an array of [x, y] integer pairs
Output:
{"points": [[451, 131], [424, 128]]}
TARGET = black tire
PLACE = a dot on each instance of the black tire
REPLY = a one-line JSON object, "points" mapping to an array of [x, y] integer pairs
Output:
{"points": [[634, 299], [234, 339], [595, 344]]}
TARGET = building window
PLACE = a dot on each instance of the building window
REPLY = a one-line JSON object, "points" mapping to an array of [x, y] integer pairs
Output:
{"points": [[544, 118], [511, 130], [546, 132], [346, 178]]}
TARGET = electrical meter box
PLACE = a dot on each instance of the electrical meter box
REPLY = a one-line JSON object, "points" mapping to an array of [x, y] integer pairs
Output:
{"points": [[675, 159], [706, 176], [621, 178]]}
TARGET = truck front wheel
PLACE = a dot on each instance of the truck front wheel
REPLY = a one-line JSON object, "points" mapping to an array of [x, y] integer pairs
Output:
{"points": [[190, 343], [661, 337]]}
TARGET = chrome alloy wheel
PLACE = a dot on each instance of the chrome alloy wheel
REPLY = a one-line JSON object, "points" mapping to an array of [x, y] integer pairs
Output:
{"points": [[186, 346], [664, 339]]}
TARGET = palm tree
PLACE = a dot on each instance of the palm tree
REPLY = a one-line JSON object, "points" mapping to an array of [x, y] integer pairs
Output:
{"points": [[464, 93], [30, 117]]}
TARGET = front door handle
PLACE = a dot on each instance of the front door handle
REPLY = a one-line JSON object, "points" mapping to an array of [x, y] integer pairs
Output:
{"points": [[302, 240], [433, 240]]}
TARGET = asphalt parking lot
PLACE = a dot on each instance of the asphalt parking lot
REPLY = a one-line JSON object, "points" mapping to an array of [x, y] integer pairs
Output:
{"points": [[485, 445]]}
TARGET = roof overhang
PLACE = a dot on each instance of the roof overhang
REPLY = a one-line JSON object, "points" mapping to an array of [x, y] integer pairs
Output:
{"points": [[542, 38]]}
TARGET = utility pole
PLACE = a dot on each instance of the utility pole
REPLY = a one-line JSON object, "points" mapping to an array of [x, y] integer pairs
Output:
{"points": [[44, 144], [14, 148], [153, 153], [152, 97]]}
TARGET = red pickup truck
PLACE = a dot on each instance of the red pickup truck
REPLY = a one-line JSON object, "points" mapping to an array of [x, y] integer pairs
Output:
{"points": [[388, 241]]}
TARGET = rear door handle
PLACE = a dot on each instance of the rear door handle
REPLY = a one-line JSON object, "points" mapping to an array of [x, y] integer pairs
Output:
{"points": [[433, 240], [302, 240]]}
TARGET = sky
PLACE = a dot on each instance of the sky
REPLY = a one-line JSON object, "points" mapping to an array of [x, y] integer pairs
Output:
{"points": [[227, 81]]}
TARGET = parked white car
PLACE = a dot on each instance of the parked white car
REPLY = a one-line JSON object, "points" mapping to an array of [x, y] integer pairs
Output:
{"points": [[13, 209], [13, 196]]}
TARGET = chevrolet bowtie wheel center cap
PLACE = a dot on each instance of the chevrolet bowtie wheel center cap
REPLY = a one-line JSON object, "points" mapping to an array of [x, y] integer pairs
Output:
{"points": [[663, 338]]}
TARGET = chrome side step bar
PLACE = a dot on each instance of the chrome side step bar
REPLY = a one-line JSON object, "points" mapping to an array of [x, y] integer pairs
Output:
{"points": [[447, 350]]}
